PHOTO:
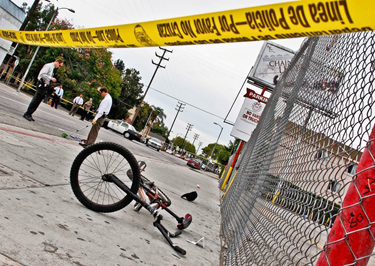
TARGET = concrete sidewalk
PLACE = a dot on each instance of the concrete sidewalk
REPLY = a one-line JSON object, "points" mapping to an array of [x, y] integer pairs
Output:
{"points": [[42, 223]]}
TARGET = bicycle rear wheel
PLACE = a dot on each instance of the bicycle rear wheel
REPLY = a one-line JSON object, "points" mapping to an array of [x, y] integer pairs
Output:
{"points": [[89, 168]]}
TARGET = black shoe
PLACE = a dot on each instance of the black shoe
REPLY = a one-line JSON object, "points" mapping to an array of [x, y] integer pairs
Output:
{"points": [[28, 117], [84, 145]]}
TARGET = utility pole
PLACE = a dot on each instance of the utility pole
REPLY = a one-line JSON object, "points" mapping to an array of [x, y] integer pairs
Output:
{"points": [[180, 108], [152, 78], [188, 128], [200, 144], [196, 136]]}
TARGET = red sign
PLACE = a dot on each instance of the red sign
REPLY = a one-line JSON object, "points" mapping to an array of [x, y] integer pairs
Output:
{"points": [[253, 95]]}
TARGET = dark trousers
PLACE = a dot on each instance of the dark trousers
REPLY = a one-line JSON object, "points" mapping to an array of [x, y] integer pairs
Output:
{"points": [[91, 138], [55, 101], [47, 95], [84, 113], [37, 99]]}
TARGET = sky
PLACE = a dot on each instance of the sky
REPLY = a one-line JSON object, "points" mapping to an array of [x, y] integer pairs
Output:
{"points": [[205, 77]]}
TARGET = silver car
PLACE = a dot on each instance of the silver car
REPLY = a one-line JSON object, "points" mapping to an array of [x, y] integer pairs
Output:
{"points": [[154, 143]]}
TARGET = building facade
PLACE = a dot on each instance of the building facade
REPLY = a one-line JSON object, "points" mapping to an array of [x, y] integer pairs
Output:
{"points": [[11, 18]]}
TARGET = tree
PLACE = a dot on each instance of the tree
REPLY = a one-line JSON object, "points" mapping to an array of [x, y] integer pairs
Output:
{"points": [[84, 70], [120, 65], [131, 87], [221, 153], [178, 141], [157, 115], [154, 116], [160, 129]]}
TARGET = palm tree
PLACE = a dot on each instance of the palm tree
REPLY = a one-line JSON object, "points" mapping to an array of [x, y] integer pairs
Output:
{"points": [[157, 115]]}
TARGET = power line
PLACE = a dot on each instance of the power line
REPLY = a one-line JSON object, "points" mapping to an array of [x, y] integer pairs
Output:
{"points": [[200, 109]]}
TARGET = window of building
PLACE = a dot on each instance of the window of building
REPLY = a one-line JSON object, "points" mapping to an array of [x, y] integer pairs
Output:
{"points": [[352, 169], [334, 186], [321, 155]]}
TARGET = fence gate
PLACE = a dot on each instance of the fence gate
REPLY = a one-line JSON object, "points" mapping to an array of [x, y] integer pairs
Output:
{"points": [[304, 193]]}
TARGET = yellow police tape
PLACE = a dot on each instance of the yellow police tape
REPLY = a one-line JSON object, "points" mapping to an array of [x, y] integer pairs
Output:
{"points": [[277, 21]]}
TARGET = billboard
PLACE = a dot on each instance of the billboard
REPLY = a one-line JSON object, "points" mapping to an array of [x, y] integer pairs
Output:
{"points": [[249, 115], [320, 86], [272, 61]]}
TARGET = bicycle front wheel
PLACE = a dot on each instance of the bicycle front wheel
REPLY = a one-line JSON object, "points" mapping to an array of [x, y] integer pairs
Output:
{"points": [[89, 169]]}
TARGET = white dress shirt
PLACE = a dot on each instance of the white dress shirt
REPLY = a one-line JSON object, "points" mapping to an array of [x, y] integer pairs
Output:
{"points": [[46, 73], [78, 100], [59, 91], [104, 107]]}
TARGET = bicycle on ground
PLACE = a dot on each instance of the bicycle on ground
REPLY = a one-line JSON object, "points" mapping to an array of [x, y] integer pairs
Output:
{"points": [[106, 177]]}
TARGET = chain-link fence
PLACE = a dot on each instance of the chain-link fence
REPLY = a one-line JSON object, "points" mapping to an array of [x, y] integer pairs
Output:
{"points": [[296, 198]]}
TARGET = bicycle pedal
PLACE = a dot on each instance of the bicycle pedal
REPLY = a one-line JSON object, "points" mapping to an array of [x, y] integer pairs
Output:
{"points": [[137, 207]]}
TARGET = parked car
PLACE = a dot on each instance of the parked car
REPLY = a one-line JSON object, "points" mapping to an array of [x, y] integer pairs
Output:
{"points": [[133, 135], [125, 129], [154, 143], [194, 163]]}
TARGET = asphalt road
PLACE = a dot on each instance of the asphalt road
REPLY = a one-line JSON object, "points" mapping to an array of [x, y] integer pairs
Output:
{"points": [[41, 222]]}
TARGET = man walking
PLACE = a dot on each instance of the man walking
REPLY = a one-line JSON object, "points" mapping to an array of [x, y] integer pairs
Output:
{"points": [[77, 102], [45, 76], [102, 112], [59, 92]]}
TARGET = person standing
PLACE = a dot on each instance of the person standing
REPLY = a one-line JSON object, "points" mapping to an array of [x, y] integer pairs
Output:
{"points": [[86, 108], [91, 114], [45, 76], [77, 102], [102, 113], [59, 92]]}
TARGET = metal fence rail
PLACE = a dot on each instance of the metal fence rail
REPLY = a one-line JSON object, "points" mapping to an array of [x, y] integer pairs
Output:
{"points": [[302, 159]]}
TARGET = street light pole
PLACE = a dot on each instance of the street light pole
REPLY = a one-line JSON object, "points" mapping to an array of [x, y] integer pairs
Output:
{"points": [[37, 49], [221, 129]]}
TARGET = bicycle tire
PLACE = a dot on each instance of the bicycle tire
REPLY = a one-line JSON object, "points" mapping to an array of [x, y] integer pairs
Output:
{"points": [[161, 195], [88, 169]]}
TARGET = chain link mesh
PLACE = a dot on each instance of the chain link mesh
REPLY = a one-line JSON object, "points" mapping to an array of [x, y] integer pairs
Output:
{"points": [[302, 157]]}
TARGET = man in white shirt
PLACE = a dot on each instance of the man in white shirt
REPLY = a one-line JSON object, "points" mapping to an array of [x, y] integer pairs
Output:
{"points": [[59, 92], [44, 78], [77, 102], [102, 113]]}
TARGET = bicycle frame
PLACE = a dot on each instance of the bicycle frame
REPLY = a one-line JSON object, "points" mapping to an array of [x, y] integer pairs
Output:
{"points": [[183, 222], [146, 194]]}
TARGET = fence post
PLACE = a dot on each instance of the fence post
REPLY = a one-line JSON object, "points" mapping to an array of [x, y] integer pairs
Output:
{"points": [[351, 238]]}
